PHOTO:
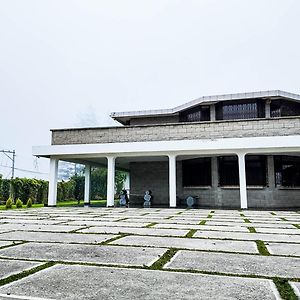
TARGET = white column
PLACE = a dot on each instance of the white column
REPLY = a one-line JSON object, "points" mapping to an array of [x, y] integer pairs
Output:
{"points": [[110, 181], [87, 184], [52, 191], [172, 180], [242, 177]]}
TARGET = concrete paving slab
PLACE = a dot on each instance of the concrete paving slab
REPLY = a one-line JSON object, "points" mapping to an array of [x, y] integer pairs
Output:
{"points": [[204, 227], [5, 243], [109, 224], [35, 227], [135, 220], [31, 221], [89, 282], [236, 264], [57, 238], [279, 230], [284, 249], [133, 256], [248, 236], [11, 267], [188, 243], [296, 288], [262, 225], [132, 230]]}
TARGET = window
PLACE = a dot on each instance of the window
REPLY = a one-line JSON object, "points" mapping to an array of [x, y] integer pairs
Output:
{"points": [[284, 108], [255, 170], [287, 170], [234, 110], [196, 172], [228, 170], [196, 114]]}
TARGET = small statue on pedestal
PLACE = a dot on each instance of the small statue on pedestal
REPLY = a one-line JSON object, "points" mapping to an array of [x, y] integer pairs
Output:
{"points": [[147, 198], [124, 201]]}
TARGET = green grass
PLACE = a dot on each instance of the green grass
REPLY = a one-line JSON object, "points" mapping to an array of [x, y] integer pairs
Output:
{"points": [[285, 290], [262, 249], [25, 273], [212, 211], [150, 225], [247, 221], [272, 213], [190, 233], [242, 215], [251, 229], [297, 226], [283, 219], [209, 216], [166, 257], [202, 222]]}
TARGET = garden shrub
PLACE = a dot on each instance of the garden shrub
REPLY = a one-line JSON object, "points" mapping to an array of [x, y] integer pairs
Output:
{"points": [[29, 203], [19, 203], [9, 203]]}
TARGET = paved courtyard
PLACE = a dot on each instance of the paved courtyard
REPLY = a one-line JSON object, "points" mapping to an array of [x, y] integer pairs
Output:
{"points": [[119, 253]]}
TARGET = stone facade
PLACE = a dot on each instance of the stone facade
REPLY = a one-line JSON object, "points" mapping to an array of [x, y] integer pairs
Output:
{"points": [[179, 131], [154, 176]]}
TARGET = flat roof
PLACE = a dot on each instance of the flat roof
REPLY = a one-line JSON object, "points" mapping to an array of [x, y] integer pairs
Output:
{"points": [[203, 100]]}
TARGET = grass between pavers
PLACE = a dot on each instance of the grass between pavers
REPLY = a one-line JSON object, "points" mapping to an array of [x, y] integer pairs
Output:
{"points": [[149, 225], [202, 222], [191, 233], [283, 219], [121, 235], [251, 229], [212, 212], [296, 225], [247, 221], [272, 213], [285, 290], [242, 215], [261, 247], [25, 273], [165, 258], [168, 218], [123, 219], [209, 216]]}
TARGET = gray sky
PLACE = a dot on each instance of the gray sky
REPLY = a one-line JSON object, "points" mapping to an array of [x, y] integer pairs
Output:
{"points": [[66, 63]]}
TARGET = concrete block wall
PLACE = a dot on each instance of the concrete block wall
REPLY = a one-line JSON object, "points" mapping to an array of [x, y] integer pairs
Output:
{"points": [[179, 131], [154, 176]]}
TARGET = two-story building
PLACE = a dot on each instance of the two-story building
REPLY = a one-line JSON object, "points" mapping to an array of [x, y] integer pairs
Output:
{"points": [[233, 151]]}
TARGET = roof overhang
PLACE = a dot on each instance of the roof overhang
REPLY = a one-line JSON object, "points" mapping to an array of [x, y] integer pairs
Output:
{"points": [[122, 117]]}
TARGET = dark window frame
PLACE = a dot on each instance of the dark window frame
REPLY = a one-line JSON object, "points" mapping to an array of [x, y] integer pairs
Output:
{"points": [[284, 108], [287, 171], [200, 113], [196, 172], [240, 110], [228, 170]]}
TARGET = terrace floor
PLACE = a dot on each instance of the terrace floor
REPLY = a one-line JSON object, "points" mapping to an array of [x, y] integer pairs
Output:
{"points": [[120, 253]]}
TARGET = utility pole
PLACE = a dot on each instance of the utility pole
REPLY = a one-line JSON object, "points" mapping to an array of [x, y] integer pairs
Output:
{"points": [[8, 153]]}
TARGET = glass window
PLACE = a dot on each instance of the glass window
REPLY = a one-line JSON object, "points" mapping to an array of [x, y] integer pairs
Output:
{"points": [[287, 170], [255, 170], [196, 114], [196, 172], [284, 108], [235, 110]]}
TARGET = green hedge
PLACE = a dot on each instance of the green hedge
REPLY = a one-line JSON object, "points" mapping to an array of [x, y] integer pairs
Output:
{"points": [[37, 190]]}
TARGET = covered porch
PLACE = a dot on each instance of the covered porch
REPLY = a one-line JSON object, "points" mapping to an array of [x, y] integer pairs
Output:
{"points": [[170, 154]]}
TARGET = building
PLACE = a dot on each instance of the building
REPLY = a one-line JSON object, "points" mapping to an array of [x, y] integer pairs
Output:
{"points": [[232, 151]]}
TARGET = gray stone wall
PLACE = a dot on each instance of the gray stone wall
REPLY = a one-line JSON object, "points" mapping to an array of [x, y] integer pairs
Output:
{"points": [[154, 176], [179, 131]]}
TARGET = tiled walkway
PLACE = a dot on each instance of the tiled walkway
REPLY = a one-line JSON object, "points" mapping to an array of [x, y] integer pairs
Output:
{"points": [[102, 253]]}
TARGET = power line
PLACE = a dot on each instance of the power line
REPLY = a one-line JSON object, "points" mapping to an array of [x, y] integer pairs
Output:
{"points": [[24, 170], [8, 153]]}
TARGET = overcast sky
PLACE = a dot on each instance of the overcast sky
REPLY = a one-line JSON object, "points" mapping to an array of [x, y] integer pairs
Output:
{"points": [[66, 63]]}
